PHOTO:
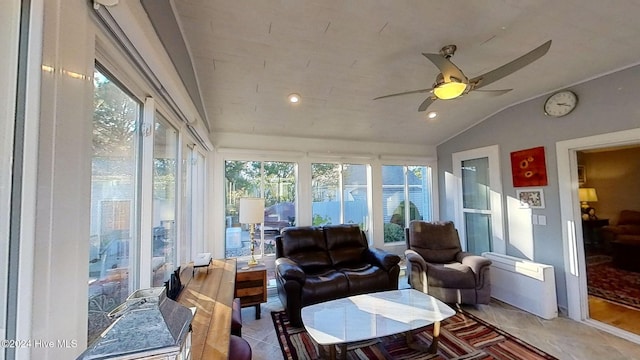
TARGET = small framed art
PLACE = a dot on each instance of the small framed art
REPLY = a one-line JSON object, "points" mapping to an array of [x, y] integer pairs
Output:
{"points": [[530, 198], [582, 175]]}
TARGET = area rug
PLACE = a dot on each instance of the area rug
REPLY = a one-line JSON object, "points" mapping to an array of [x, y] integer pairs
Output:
{"points": [[462, 336], [610, 283]]}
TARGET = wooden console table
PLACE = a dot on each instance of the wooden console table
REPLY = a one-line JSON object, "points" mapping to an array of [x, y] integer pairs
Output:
{"points": [[251, 285], [212, 295]]}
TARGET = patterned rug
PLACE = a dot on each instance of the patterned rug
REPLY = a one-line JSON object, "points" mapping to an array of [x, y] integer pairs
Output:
{"points": [[610, 283], [462, 336]]}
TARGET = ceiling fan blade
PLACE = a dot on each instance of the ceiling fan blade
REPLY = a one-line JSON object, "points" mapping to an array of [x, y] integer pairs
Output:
{"points": [[425, 104], [515, 65], [405, 93], [487, 93], [446, 67]]}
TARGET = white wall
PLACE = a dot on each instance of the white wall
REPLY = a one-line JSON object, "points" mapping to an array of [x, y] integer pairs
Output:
{"points": [[606, 104]]}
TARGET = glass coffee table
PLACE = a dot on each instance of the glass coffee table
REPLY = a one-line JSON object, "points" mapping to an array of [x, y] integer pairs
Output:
{"points": [[368, 316]]}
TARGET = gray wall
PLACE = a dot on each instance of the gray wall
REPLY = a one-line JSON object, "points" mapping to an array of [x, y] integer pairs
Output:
{"points": [[606, 104]]}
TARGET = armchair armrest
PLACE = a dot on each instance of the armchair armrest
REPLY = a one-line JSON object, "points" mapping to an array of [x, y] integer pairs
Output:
{"points": [[382, 258], [415, 258], [475, 262], [290, 270]]}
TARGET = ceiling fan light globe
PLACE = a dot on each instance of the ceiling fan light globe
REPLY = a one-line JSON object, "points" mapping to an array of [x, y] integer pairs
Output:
{"points": [[450, 90]]}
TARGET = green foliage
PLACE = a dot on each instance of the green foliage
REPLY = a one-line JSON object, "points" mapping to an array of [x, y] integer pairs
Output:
{"points": [[398, 213], [320, 220], [115, 118], [324, 181], [393, 233]]}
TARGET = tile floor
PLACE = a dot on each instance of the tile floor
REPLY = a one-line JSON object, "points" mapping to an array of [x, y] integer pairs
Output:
{"points": [[561, 337]]}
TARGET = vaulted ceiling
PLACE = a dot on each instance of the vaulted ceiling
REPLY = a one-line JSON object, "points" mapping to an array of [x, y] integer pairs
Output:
{"points": [[340, 54]]}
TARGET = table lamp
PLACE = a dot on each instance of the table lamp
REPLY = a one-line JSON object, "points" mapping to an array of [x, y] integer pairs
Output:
{"points": [[252, 213], [587, 195]]}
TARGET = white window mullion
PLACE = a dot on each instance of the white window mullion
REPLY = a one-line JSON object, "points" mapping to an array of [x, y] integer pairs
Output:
{"points": [[341, 192], [146, 195]]}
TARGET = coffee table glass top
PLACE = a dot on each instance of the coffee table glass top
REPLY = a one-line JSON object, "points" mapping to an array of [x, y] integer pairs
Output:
{"points": [[374, 315]]}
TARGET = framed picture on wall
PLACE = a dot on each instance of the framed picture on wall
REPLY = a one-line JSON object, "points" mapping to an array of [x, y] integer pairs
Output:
{"points": [[582, 175], [530, 198], [528, 167]]}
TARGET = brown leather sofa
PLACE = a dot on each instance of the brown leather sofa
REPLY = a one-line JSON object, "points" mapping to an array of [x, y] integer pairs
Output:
{"points": [[437, 266], [316, 264]]}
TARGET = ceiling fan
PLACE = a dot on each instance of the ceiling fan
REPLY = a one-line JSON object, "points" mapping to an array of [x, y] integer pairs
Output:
{"points": [[451, 83]]}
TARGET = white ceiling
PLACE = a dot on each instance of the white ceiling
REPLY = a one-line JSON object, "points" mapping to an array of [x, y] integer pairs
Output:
{"points": [[340, 54]]}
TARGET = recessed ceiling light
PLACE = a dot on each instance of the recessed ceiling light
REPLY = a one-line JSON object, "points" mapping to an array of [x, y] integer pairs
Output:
{"points": [[432, 114], [294, 98]]}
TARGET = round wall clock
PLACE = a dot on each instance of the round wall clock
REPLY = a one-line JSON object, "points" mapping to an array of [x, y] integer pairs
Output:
{"points": [[560, 103]]}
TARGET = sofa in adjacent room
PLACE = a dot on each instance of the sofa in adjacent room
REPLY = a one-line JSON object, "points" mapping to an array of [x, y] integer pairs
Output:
{"points": [[628, 225], [623, 240], [316, 264]]}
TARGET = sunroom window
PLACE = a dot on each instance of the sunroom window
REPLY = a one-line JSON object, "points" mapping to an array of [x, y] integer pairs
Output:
{"points": [[113, 225], [406, 196]]}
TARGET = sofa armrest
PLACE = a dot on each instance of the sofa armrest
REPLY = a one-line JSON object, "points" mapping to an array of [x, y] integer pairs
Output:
{"points": [[290, 270], [384, 259]]}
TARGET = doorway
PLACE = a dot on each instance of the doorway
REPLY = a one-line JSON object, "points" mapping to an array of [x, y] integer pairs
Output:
{"points": [[571, 215], [605, 177]]}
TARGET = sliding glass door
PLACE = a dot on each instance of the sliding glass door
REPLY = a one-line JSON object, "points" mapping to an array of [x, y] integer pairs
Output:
{"points": [[114, 200]]}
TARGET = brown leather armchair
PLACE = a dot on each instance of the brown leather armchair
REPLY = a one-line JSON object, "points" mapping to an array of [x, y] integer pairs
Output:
{"points": [[437, 266]]}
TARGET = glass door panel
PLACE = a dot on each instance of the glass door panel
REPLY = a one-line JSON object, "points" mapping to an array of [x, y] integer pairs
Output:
{"points": [[476, 204], [475, 184], [280, 201], [114, 180], [400, 182], [165, 155], [356, 205], [325, 183], [479, 211], [478, 230]]}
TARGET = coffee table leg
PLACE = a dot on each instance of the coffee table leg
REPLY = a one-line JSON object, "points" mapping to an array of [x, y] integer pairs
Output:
{"points": [[332, 352], [343, 351], [436, 333], [433, 348]]}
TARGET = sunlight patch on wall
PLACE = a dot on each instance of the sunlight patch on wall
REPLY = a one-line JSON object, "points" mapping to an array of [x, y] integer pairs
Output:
{"points": [[520, 229]]}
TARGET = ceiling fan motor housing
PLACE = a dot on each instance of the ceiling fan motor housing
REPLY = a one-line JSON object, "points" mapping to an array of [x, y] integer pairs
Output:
{"points": [[448, 50]]}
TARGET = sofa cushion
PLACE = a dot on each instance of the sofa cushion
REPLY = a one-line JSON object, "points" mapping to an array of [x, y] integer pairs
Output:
{"points": [[346, 244], [306, 247], [364, 278], [324, 285]]}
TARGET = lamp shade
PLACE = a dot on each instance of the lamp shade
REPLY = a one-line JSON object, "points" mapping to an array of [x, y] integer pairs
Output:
{"points": [[251, 210], [587, 194]]}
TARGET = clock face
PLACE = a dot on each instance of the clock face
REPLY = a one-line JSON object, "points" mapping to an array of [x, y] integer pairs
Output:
{"points": [[560, 103]]}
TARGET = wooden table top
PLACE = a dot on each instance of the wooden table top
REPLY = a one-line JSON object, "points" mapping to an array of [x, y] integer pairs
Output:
{"points": [[212, 296]]}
